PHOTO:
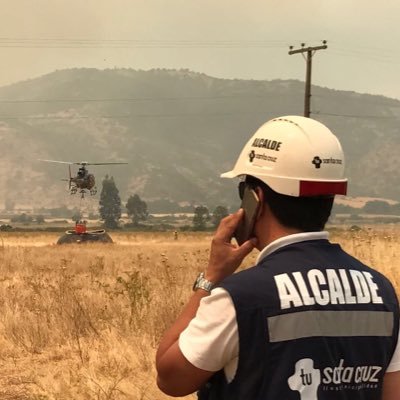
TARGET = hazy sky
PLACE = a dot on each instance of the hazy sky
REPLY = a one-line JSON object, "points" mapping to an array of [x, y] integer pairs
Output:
{"points": [[223, 38]]}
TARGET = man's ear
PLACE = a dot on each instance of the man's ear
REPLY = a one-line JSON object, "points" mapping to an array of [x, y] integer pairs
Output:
{"points": [[261, 198]]}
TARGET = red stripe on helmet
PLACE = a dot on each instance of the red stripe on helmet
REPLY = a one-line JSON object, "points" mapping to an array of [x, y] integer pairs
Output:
{"points": [[314, 188]]}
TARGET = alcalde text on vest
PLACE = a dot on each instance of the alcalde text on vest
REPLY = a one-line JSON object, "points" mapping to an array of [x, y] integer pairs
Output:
{"points": [[330, 286]]}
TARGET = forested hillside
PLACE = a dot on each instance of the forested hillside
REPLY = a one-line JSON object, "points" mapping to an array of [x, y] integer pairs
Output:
{"points": [[178, 130]]}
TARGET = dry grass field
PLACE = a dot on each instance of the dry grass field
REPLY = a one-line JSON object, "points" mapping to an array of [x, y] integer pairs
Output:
{"points": [[82, 322]]}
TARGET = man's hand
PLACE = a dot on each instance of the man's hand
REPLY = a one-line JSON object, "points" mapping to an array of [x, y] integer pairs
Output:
{"points": [[176, 376], [226, 257]]}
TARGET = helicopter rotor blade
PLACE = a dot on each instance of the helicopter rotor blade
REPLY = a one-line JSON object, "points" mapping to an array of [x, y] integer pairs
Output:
{"points": [[58, 162], [108, 163], [83, 163]]}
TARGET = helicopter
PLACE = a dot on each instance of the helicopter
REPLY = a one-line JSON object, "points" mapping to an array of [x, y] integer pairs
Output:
{"points": [[83, 181]]}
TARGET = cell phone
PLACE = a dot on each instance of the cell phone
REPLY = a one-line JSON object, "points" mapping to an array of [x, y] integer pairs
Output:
{"points": [[250, 205]]}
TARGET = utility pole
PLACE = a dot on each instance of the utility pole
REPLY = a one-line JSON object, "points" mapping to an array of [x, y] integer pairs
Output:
{"points": [[310, 52]]}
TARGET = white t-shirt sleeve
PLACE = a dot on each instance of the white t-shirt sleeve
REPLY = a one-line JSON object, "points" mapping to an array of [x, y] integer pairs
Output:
{"points": [[211, 339], [395, 362]]}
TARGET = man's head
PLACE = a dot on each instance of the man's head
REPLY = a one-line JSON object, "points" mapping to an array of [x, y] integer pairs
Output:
{"points": [[298, 165], [304, 214]]}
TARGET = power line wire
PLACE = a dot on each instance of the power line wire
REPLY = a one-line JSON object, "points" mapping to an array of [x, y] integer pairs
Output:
{"points": [[182, 115], [171, 98], [8, 39], [132, 99], [369, 52], [357, 116], [377, 57], [126, 43]]}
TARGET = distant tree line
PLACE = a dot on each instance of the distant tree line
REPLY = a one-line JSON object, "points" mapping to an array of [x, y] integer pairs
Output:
{"points": [[110, 210], [27, 218], [378, 207], [110, 206], [203, 220]]}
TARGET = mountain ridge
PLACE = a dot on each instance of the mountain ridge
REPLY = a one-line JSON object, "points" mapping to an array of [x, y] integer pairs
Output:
{"points": [[177, 129]]}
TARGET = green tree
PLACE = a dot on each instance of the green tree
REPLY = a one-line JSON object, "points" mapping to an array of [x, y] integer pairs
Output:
{"points": [[40, 219], [200, 218], [110, 203], [377, 207], [23, 218], [136, 209], [76, 216], [9, 204], [219, 213]]}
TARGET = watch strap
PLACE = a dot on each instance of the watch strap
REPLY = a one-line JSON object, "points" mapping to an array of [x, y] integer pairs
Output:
{"points": [[202, 283]]}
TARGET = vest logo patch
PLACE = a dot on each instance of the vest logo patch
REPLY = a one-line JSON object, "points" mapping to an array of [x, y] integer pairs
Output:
{"points": [[306, 379]]}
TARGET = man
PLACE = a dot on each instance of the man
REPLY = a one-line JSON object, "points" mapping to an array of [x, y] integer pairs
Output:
{"points": [[308, 321]]}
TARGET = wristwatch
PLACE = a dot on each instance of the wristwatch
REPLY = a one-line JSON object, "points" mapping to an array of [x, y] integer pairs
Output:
{"points": [[202, 283]]}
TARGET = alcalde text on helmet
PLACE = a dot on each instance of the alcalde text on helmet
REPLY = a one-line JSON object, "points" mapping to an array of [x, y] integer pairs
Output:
{"points": [[331, 286], [267, 144]]}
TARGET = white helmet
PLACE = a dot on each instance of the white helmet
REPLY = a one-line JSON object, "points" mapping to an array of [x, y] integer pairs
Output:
{"points": [[295, 156]]}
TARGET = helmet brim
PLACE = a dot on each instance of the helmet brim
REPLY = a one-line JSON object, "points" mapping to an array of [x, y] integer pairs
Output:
{"points": [[229, 174]]}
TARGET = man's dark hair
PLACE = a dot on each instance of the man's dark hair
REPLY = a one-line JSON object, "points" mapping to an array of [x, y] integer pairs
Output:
{"points": [[308, 214]]}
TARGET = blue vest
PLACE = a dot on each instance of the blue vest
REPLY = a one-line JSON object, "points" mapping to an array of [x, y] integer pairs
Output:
{"points": [[314, 323]]}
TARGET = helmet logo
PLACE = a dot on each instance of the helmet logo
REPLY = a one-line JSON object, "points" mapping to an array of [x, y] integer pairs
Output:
{"points": [[252, 155], [317, 162]]}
